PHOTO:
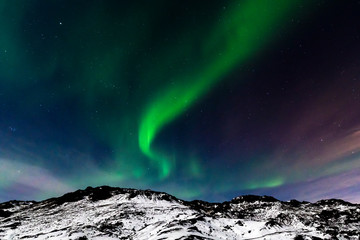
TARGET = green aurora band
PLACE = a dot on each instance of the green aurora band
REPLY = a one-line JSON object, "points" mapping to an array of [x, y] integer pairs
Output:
{"points": [[241, 33], [129, 84]]}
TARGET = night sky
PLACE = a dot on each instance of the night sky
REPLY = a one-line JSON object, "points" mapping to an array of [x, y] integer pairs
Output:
{"points": [[201, 99]]}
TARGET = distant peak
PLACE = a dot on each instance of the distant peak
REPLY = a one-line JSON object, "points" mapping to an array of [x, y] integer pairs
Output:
{"points": [[254, 198], [104, 192]]}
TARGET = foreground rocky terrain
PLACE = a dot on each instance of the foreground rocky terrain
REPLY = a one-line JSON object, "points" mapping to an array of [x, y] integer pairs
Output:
{"points": [[117, 213]]}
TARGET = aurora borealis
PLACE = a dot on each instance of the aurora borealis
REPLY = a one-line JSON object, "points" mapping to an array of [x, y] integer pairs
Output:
{"points": [[205, 101]]}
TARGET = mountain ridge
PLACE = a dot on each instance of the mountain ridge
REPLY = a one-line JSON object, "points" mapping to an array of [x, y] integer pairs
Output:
{"points": [[124, 213]]}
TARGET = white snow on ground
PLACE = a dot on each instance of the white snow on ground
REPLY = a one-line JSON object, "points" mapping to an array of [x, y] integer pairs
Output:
{"points": [[152, 217]]}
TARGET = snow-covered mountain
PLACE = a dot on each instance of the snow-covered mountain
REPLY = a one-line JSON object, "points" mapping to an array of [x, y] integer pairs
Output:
{"points": [[117, 213]]}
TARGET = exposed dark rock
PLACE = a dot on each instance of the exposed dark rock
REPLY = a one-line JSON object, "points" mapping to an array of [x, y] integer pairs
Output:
{"points": [[299, 237], [5, 213]]}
